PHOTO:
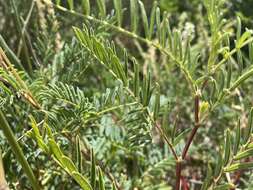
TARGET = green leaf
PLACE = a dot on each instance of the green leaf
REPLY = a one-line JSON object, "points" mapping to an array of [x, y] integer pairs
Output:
{"points": [[79, 154], [49, 132], [214, 89], [244, 154], [152, 20], [179, 44], [146, 90], [136, 78], [101, 8], [187, 53], [42, 145], [221, 81], [218, 166], [208, 178], [79, 34], [165, 120], [71, 4], [93, 170], [55, 149], [174, 129], [35, 127], [114, 186], [68, 164], [250, 145], [239, 28], [227, 148], [203, 108], [157, 102], [120, 69], [180, 136], [164, 30], [18, 151], [126, 63], [239, 166], [239, 61], [118, 8], [81, 181], [101, 180], [237, 137], [229, 73], [251, 52], [58, 2], [246, 35], [241, 79], [144, 19], [134, 15], [86, 7], [158, 22], [249, 127]]}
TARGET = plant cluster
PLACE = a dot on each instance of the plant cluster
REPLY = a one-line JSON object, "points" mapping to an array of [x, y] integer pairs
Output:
{"points": [[126, 95]]}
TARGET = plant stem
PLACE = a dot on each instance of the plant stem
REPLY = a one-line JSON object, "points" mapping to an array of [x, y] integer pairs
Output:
{"points": [[163, 135], [17, 151], [178, 173], [189, 141], [186, 73], [11, 54], [194, 130], [24, 26], [19, 27], [166, 140]]}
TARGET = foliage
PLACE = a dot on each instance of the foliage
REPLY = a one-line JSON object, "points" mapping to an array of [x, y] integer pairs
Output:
{"points": [[126, 94]]}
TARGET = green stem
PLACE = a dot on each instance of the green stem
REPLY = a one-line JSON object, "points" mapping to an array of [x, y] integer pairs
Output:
{"points": [[186, 73], [17, 151], [10, 53], [115, 108], [241, 79], [232, 52], [19, 27]]}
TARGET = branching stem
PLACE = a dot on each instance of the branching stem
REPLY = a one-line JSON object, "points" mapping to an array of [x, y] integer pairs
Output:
{"points": [[186, 73], [189, 141]]}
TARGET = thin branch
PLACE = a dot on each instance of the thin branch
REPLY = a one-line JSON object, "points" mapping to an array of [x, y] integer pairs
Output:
{"points": [[18, 151], [189, 141], [194, 130], [132, 35], [24, 26], [19, 27]]}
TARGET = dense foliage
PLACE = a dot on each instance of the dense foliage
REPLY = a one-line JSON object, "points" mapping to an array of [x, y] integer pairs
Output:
{"points": [[133, 94]]}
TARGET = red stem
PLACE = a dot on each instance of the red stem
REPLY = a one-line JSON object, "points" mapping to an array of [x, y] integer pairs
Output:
{"points": [[178, 174], [189, 142], [194, 130]]}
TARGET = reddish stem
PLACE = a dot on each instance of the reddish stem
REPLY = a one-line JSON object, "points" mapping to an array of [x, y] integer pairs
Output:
{"points": [[178, 174], [194, 130], [189, 141]]}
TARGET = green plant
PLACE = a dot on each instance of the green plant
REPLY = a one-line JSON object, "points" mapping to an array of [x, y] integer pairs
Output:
{"points": [[109, 102]]}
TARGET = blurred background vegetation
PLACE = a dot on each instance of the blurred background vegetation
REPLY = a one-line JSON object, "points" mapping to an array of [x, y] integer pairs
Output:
{"points": [[54, 55]]}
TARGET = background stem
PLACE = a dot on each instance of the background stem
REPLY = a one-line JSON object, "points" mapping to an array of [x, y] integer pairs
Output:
{"points": [[17, 151]]}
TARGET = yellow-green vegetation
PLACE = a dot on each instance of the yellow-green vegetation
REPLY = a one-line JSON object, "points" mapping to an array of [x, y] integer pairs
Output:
{"points": [[122, 95]]}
